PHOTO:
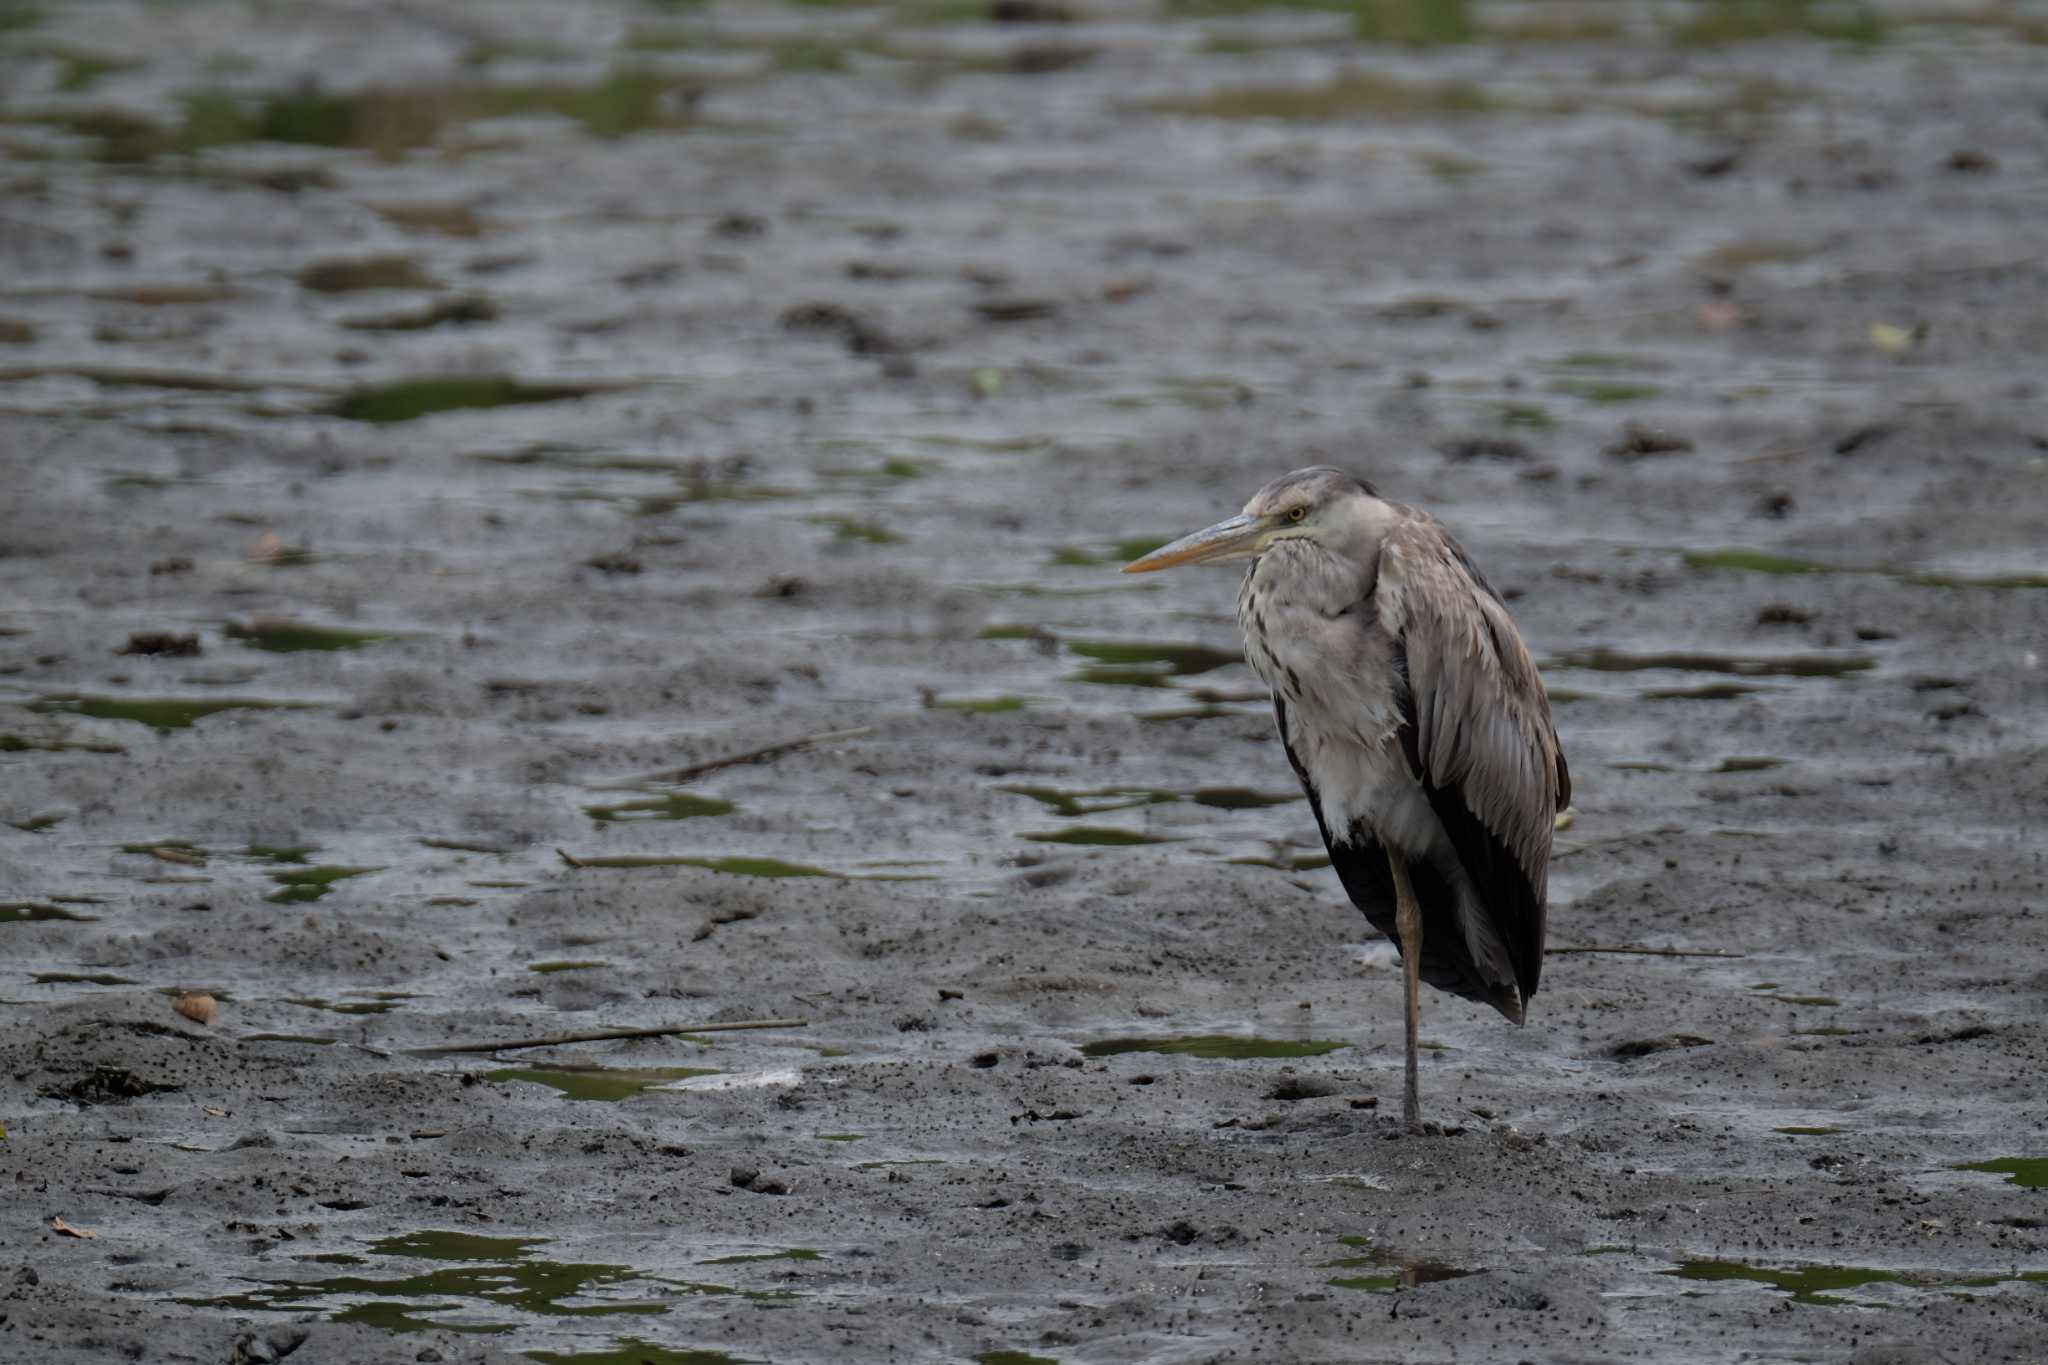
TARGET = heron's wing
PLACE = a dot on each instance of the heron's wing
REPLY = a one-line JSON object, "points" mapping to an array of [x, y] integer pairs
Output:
{"points": [[1477, 731]]}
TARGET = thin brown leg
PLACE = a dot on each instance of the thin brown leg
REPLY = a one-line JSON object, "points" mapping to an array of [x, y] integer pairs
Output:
{"points": [[1408, 921]]}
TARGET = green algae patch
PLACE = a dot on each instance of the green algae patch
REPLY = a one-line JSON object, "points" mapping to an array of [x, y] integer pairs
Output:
{"points": [[634, 1351], [462, 310], [1722, 23], [37, 911], [315, 1002], [287, 637], [1724, 691], [1175, 660], [1294, 862], [1396, 1271], [367, 272], [602, 1084], [467, 1271], [22, 744], [1605, 390], [1812, 1284], [300, 884], [1212, 1046], [662, 806], [407, 399], [732, 866], [1100, 836], [980, 706], [159, 713], [1352, 95], [576, 965], [1758, 561], [1762, 666], [860, 532], [2028, 1172]]}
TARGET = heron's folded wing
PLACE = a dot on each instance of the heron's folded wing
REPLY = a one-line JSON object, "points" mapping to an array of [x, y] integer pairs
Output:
{"points": [[1480, 737]]}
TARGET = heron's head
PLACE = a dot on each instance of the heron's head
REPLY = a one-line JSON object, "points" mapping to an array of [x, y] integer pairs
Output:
{"points": [[1321, 505]]}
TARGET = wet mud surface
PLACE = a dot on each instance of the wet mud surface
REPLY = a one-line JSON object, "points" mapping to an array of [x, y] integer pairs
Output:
{"points": [[434, 437]]}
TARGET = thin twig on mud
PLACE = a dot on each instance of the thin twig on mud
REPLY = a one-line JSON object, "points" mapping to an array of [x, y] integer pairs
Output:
{"points": [[1636, 951], [606, 1035], [760, 755]]}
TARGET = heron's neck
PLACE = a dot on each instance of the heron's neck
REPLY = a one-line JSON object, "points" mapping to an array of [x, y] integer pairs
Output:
{"points": [[1301, 574]]}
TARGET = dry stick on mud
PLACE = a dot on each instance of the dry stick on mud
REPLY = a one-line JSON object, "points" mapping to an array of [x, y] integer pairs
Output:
{"points": [[760, 755], [607, 1035]]}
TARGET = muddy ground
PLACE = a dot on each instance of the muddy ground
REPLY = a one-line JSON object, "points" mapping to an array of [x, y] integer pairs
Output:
{"points": [[421, 424]]}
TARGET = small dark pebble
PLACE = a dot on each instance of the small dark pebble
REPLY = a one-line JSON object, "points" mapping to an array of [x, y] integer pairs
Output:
{"points": [[1292, 1088], [162, 642], [1637, 441], [175, 564], [1776, 504], [1868, 434], [1483, 447], [1969, 161], [1783, 614], [1030, 12], [614, 564], [1009, 309], [737, 226], [1038, 59]]}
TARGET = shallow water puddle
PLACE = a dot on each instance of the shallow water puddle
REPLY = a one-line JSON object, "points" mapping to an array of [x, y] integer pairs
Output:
{"points": [[487, 1273], [1396, 1271], [1212, 1046], [672, 805], [606, 1084], [159, 713], [2028, 1172]]}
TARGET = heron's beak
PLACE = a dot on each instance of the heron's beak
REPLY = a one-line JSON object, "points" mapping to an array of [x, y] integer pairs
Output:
{"points": [[1237, 538]]}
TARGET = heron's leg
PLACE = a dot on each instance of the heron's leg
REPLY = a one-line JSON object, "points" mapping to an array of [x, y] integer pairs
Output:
{"points": [[1408, 921]]}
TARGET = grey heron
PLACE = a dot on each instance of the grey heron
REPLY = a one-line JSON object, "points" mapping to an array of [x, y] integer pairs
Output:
{"points": [[1415, 719]]}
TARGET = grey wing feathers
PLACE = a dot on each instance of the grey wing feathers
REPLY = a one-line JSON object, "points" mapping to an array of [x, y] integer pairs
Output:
{"points": [[1482, 720]]}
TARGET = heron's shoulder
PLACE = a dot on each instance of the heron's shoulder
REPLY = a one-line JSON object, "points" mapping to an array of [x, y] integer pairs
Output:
{"points": [[1421, 550]]}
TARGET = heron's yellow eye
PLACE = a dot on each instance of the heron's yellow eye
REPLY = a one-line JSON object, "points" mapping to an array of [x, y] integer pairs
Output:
{"points": [[1297, 513]]}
